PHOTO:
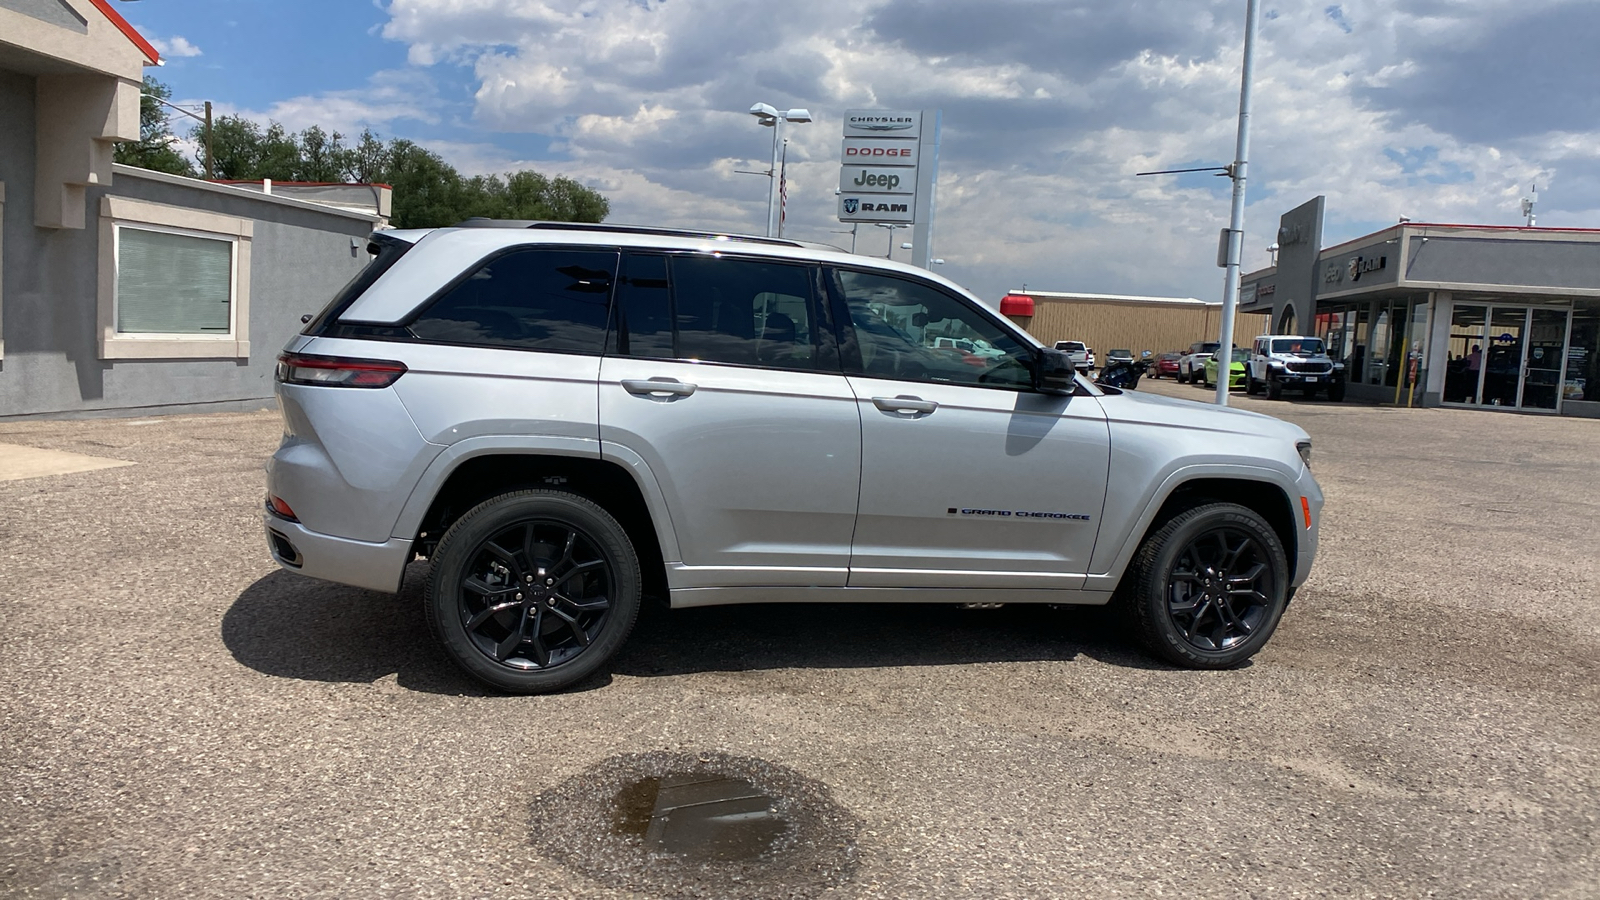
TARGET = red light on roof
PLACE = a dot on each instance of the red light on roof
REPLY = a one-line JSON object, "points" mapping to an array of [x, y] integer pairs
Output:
{"points": [[1016, 305]]}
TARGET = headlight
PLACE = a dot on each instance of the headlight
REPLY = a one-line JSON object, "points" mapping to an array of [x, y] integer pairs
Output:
{"points": [[1276, 363], [1338, 365], [1305, 452]]}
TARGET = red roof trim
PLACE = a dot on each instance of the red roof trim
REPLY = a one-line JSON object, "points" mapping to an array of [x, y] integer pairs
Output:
{"points": [[128, 31]]}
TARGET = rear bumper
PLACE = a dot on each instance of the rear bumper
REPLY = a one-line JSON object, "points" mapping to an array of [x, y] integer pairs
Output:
{"points": [[377, 567]]}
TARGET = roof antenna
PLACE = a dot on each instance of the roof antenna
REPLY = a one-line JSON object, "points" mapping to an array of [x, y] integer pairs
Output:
{"points": [[1528, 202]]}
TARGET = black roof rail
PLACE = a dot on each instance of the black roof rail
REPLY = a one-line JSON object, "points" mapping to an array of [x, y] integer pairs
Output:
{"points": [[482, 222]]}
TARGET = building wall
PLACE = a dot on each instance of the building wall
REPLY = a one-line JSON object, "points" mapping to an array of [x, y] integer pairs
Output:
{"points": [[1157, 327], [49, 299]]}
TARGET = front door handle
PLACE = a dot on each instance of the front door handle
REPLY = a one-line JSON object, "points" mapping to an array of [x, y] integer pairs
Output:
{"points": [[657, 387], [905, 404]]}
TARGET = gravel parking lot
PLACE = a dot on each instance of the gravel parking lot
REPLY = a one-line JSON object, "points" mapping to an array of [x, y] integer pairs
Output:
{"points": [[180, 719]]}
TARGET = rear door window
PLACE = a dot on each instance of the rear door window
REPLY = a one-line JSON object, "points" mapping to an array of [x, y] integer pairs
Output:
{"points": [[547, 299], [718, 309]]}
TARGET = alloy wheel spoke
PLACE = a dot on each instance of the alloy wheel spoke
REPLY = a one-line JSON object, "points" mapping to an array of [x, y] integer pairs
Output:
{"points": [[1231, 620], [514, 639], [1230, 558], [1248, 578], [578, 634], [506, 558], [486, 590], [541, 654], [490, 612], [590, 604], [578, 569], [566, 552]]}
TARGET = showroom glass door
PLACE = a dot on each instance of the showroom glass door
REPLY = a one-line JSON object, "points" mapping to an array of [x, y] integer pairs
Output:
{"points": [[1547, 345], [1506, 356]]}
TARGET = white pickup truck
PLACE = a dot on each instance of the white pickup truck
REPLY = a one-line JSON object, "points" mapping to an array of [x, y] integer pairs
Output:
{"points": [[1081, 354]]}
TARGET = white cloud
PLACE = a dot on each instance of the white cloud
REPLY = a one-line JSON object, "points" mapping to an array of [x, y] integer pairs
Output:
{"points": [[1049, 110], [175, 47]]}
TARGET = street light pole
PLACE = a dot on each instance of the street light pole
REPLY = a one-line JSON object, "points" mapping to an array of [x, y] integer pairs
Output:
{"points": [[770, 116], [1230, 281], [206, 120]]}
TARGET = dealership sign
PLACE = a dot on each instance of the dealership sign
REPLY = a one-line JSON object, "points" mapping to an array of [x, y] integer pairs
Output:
{"points": [[872, 179], [883, 123], [880, 176], [877, 207], [879, 152]]}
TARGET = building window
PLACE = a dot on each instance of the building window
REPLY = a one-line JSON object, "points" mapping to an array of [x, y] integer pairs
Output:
{"points": [[174, 282]]}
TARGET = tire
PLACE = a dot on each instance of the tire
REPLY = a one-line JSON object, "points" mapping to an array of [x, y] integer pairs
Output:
{"points": [[1251, 386], [1207, 617], [487, 607], [1274, 388], [1201, 379], [1336, 392], [1182, 378]]}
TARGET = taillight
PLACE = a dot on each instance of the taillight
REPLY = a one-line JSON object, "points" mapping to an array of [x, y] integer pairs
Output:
{"points": [[338, 371], [280, 508]]}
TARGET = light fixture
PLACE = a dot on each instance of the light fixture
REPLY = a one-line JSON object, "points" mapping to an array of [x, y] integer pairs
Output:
{"points": [[771, 117]]}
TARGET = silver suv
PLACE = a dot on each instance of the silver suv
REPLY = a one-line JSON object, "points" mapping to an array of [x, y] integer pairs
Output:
{"points": [[565, 418]]}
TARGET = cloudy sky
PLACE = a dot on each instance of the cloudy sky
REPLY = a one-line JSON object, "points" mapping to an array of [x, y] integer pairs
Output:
{"points": [[1440, 110]]}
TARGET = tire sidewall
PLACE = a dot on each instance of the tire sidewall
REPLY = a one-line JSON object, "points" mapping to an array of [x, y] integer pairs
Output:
{"points": [[455, 551]]}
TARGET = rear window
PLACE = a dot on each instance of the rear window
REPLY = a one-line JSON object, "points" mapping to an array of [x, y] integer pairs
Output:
{"points": [[386, 251]]}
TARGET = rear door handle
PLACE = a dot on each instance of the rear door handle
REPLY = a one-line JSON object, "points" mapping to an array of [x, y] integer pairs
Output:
{"points": [[905, 404], [657, 387]]}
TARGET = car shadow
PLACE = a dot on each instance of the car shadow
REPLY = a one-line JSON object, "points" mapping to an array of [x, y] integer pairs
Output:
{"points": [[289, 626]]}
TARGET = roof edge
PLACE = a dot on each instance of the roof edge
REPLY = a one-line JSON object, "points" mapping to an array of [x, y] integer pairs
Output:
{"points": [[230, 190], [129, 31]]}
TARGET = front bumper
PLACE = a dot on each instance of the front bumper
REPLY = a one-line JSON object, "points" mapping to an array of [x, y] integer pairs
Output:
{"points": [[1304, 378], [378, 567]]}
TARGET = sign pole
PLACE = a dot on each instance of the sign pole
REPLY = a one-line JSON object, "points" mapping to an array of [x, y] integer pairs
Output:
{"points": [[1230, 282], [927, 183]]}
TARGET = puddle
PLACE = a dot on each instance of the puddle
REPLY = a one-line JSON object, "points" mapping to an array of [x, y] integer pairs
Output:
{"points": [[698, 825]]}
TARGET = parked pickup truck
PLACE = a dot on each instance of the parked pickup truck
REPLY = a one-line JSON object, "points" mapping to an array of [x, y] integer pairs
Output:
{"points": [[1081, 354]]}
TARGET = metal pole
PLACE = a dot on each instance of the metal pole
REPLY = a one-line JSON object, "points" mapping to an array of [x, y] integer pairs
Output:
{"points": [[1230, 283], [853, 228], [211, 170], [772, 182]]}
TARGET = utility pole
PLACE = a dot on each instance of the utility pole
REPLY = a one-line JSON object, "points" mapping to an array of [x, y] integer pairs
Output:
{"points": [[211, 173], [1230, 281]]}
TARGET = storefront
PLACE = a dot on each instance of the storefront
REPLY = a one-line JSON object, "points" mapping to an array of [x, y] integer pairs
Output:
{"points": [[1447, 315]]}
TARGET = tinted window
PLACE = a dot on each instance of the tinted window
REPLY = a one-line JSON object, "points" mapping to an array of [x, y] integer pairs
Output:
{"points": [[716, 309], [644, 310], [527, 299], [916, 332]]}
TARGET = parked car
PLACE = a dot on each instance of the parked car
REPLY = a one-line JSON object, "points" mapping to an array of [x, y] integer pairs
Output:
{"points": [[977, 347], [1192, 364], [1082, 355], [563, 419], [1118, 356], [1296, 362], [1236, 368], [1166, 365]]}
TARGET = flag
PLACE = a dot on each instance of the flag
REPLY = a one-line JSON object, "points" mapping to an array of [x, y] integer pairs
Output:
{"points": [[783, 188]]}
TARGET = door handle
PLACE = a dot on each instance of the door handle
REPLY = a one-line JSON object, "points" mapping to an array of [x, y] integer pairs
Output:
{"points": [[657, 387], [905, 404]]}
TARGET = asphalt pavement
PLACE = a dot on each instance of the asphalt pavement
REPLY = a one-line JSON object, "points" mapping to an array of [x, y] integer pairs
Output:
{"points": [[178, 718]]}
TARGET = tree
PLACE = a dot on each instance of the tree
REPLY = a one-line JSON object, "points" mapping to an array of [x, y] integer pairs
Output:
{"points": [[428, 192], [154, 149]]}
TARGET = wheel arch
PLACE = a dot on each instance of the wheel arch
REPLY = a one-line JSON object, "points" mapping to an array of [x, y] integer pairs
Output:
{"points": [[471, 478], [1255, 489]]}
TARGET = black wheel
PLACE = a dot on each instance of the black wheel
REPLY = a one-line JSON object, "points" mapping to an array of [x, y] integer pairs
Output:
{"points": [[1201, 379], [533, 591], [1336, 392], [1182, 378], [1274, 388], [1251, 386], [1207, 589]]}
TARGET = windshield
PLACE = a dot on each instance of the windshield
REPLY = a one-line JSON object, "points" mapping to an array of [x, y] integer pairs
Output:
{"points": [[1239, 355], [1298, 346], [1210, 346]]}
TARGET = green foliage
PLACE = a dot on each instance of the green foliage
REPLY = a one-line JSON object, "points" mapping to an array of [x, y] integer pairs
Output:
{"points": [[428, 192], [154, 149]]}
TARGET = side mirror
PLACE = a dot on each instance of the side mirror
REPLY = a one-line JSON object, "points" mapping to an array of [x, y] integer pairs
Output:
{"points": [[919, 320], [1053, 372], [1145, 355]]}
